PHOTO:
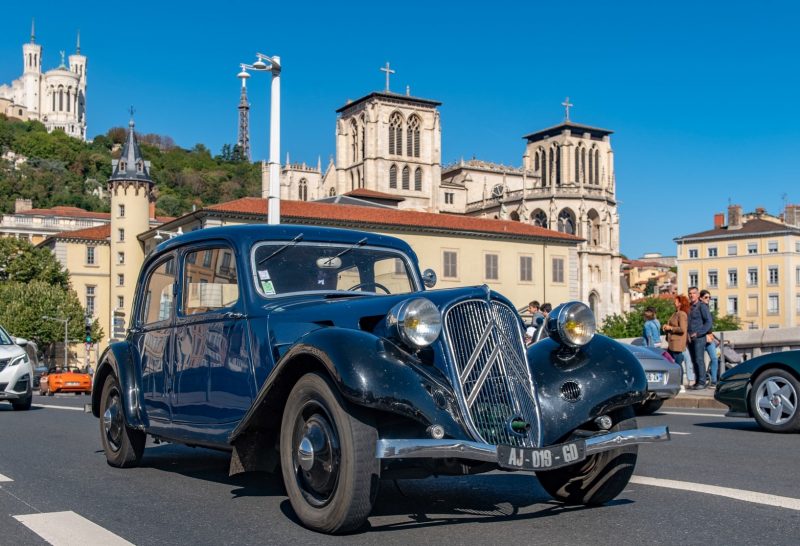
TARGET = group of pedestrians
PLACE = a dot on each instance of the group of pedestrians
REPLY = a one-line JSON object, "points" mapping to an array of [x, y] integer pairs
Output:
{"points": [[690, 336], [538, 315]]}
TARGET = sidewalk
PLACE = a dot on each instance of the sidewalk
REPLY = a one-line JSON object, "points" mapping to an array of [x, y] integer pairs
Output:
{"points": [[695, 399]]}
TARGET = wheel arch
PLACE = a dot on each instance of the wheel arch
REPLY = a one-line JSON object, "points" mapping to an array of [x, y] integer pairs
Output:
{"points": [[118, 360]]}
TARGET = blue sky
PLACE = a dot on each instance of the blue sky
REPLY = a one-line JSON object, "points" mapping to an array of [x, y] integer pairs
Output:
{"points": [[702, 97]]}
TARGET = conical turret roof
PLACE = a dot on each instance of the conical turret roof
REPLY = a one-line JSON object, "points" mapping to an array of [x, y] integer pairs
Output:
{"points": [[131, 165]]}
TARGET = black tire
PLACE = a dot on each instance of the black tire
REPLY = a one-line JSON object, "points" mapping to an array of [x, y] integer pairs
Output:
{"points": [[599, 478], [122, 445], [649, 407], [24, 405], [335, 492], [774, 401]]}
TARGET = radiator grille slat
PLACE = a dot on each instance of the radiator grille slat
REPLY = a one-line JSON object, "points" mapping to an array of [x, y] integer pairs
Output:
{"points": [[491, 371]]}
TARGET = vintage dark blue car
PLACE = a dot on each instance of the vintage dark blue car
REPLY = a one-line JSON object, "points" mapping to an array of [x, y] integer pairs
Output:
{"points": [[320, 351]]}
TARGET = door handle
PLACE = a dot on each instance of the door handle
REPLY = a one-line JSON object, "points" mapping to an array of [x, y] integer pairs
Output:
{"points": [[234, 315]]}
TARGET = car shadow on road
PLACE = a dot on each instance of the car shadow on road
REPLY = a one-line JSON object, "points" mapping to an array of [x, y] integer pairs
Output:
{"points": [[8, 407]]}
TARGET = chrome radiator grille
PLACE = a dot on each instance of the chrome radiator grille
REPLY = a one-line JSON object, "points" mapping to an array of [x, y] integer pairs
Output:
{"points": [[491, 372]]}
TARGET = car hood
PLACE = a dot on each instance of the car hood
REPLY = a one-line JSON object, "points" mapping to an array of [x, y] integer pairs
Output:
{"points": [[10, 351]]}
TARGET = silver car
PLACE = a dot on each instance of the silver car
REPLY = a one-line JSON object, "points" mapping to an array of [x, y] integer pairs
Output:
{"points": [[16, 372], [663, 377]]}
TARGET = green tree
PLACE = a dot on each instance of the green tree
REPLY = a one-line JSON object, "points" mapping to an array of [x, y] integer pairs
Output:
{"points": [[21, 262]]}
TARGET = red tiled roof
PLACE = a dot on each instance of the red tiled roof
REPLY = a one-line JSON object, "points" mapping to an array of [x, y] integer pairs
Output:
{"points": [[756, 225], [71, 212], [388, 217], [97, 233], [642, 263], [364, 192]]}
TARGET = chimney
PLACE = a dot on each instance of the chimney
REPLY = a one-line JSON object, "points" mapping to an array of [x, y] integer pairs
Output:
{"points": [[152, 210], [719, 220], [21, 205], [760, 211], [792, 215], [734, 217]]}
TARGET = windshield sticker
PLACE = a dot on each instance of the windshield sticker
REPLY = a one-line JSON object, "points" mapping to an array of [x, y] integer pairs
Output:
{"points": [[267, 287], [263, 274]]}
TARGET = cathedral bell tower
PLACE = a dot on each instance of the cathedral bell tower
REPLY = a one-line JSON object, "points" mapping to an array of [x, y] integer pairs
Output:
{"points": [[131, 192], [32, 73]]}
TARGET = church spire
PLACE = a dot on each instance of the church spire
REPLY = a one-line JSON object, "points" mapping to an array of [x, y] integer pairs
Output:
{"points": [[78, 44], [33, 30], [131, 166]]}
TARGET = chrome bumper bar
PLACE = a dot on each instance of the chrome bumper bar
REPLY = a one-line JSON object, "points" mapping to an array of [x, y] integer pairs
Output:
{"points": [[477, 451]]}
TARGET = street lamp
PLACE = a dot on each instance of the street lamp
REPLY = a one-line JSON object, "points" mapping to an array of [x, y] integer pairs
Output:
{"points": [[66, 337], [272, 64], [170, 234]]}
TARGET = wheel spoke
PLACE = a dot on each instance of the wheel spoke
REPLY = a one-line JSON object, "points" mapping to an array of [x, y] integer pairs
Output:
{"points": [[786, 391], [775, 415], [772, 387], [764, 403], [787, 405]]}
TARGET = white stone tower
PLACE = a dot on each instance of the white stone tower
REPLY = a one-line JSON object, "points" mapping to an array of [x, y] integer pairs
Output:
{"points": [[77, 65], [32, 73], [131, 188]]}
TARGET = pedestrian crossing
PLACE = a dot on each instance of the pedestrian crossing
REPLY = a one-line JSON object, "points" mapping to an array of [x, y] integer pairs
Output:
{"points": [[68, 528]]}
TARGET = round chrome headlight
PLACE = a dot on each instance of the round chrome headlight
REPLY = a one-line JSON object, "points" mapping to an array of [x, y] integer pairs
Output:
{"points": [[417, 322], [572, 324]]}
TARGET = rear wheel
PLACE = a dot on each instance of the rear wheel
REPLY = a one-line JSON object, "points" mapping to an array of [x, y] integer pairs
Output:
{"points": [[327, 453], [599, 478], [122, 445], [774, 399], [649, 407]]}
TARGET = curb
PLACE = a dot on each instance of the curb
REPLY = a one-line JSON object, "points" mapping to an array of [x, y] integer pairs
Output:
{"points": [[689, 401]]}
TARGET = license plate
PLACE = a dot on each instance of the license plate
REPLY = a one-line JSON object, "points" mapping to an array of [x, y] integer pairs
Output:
{"points": [[655, 377], [72, 384], [545, 458]]}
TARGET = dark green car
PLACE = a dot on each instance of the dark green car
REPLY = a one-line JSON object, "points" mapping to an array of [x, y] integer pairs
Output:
{"points": [[765, 388]]}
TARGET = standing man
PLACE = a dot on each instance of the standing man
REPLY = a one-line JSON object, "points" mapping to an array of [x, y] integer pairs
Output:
{"points": [[699, 325], [711, 345]]}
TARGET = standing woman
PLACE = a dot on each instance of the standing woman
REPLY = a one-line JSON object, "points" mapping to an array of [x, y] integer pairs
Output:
{"points": [[676, 327], [652, 329]]}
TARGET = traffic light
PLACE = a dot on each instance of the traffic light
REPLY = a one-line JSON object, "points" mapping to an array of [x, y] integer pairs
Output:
{"points": [[88, 331]]}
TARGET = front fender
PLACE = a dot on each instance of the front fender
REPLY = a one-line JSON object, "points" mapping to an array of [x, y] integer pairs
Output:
{"points": [[118, 359], [608, 375], [368, 371]]}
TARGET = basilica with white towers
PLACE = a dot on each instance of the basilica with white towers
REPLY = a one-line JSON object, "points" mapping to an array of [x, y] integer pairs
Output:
{"points": [[56, 97]]}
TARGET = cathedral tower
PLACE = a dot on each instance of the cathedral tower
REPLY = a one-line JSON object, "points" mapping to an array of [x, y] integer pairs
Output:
{"points": [[32, 73], [131, 188], [77, 65]]}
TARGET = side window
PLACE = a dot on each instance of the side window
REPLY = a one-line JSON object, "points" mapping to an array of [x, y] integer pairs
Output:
{"points": [[158, 297], [211, 282]]}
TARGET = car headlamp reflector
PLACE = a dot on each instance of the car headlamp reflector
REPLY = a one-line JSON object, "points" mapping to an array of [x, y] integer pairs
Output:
{"points": [[572, 324], [21, 359], [417, 322]]}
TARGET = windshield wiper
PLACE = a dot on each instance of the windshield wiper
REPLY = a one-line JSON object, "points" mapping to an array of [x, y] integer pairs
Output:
{"points": [[362, 242], [293, 242]]}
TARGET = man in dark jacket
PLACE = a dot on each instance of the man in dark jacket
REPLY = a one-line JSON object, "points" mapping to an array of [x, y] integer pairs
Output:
{"points": [[700, 324]]}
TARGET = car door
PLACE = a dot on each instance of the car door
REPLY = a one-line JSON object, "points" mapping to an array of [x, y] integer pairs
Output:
{"points": [[153, 337], [213, 378]]}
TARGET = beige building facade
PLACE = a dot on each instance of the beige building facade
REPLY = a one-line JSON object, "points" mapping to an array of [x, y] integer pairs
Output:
{"points": [[751, 266], [35, 225]]}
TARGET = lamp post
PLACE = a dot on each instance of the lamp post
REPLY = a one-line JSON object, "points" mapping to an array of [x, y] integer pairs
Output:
{"points": [[66, 337], [171, 234], [272, 64]]}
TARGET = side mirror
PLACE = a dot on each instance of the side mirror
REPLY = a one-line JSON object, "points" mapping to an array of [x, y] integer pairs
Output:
{"points": [[21, 341], [429, 278]]}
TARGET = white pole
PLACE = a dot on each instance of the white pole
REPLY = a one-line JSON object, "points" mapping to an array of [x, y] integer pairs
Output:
{"points": [[274, 201], [66, 339]]}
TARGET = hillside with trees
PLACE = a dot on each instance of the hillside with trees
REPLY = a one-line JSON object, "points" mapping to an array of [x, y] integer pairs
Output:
{"points": [[54, 169]]}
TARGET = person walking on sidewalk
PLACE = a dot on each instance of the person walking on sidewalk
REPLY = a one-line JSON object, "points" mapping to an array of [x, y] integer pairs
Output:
{"points": [[675, 328], [700, 324], [711, 345]]}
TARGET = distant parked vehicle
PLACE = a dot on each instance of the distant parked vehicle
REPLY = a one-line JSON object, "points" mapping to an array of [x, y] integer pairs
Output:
{"points": [[69, 379], [16, 372], [663, 377]]}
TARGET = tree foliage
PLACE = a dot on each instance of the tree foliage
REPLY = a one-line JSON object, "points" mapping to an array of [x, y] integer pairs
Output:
{"points": [[21, 262]]}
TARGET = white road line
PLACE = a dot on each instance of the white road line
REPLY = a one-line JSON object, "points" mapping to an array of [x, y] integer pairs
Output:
{"points": [[737, 494], [679, 433], [57, 407], [5, 479], [68, 528], [692, 414]]}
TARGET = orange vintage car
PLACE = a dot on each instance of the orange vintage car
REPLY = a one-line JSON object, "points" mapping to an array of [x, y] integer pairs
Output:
{"points": [[70, 379]]}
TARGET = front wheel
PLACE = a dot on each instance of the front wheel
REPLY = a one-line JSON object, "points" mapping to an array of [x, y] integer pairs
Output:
{"points": [[774, 399], [24, 404], [122, 445], [599, 478], [327, 454]]}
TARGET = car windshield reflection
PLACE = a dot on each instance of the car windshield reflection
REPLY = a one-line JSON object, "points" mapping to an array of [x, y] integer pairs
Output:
{"points": [[317, 267]]}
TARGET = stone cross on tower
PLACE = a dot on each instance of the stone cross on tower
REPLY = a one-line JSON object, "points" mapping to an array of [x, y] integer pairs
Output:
{"points": [[388, 72], [567, 105], [62, 58]]}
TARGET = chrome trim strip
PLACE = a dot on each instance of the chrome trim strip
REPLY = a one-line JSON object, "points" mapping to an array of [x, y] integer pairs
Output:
{"points": [[478, 451], [476, 389], [476, 353]]}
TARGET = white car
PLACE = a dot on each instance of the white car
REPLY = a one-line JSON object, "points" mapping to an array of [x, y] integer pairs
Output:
{"points": [[16, 372]]}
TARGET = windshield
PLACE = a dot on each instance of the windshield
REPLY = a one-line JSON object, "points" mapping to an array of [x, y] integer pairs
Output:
{"points": [[5, 339], [307, 267]]}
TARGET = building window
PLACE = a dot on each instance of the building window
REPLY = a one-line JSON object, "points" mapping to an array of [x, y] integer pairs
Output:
{"points": [[120, 235], [90, 256], [772, 247], [797, 246], [393, 177], [733, 278], [752, 306], [207, 258], [448, 198], [418, 179], [490, 267], [714, 303], [413, 137], [693, 277], [712, 278], [773, 274], [797, 304], [120, 258], [120, 279], [303, 190], [566, 222], [733, 305], [558, 270], [732, 250], [526, 269], [121, 211], [712, 252], [752, 276], [772, 304], [396, 134], [450, 264], [693, 253], [752, 248], [90, 300], [406, 178], [120, 302], [797, 276]]}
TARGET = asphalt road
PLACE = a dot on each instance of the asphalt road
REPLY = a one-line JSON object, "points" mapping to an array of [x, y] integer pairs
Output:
{"points": [[719, 481]]}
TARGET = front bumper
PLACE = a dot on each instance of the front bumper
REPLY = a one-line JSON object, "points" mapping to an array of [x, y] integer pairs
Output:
{"points": [[477, 451]]}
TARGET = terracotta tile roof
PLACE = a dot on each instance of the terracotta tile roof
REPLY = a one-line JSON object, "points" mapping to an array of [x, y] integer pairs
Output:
{"points": [[388, 217], [71, 212], [751, 227], [642, 263], [364, 192], [97, 233]]}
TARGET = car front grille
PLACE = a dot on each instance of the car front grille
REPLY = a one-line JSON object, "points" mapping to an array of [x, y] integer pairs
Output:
{"points": [[3, 363], [491, 372], [3, 386]]}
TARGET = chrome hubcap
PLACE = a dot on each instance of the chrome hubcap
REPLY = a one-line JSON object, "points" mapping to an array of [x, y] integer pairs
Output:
{"points": [[305, 454], [777, 400], [112, 421]]}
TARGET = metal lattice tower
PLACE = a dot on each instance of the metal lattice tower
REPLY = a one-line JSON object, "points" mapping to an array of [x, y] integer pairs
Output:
{"points": [[243, 139]]}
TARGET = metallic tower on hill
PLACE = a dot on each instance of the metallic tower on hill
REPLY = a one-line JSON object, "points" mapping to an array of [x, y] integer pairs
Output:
{"points": [[243, 139]]}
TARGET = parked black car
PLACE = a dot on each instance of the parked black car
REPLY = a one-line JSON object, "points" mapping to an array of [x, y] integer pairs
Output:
{"points": [[321, 351]]}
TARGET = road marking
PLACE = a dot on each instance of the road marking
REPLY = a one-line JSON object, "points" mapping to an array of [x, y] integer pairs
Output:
{"points": [[57, 407], [692, 414], [5, 479], [679, 433], [68, 528], [737, 494]]}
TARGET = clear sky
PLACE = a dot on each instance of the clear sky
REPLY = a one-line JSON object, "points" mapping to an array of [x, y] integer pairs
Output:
{"points": [[702, 96]]}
